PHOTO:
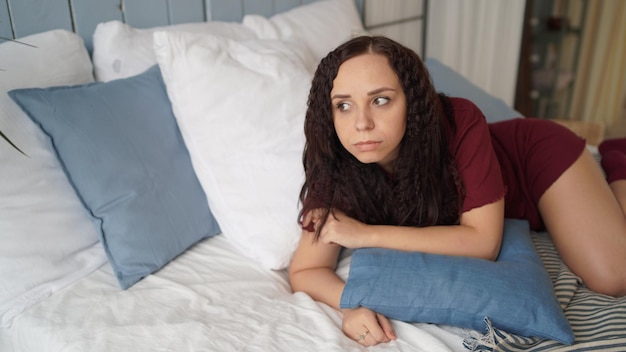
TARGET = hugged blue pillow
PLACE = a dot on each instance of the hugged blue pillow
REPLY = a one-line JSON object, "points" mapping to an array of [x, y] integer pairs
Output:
{"points": [[121, 149], [453, 84], [515, 292]]}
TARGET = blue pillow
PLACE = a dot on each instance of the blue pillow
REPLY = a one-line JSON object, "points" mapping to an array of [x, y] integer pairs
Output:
{"points": [[121, 149], [514, 293], [453, 84]]}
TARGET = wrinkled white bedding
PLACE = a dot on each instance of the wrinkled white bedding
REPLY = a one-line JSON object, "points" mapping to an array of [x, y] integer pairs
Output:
{"points": [[208, 299]]}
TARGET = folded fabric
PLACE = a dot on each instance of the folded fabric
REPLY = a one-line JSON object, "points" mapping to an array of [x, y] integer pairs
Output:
{"points": [[513, 294], [120, 146]]}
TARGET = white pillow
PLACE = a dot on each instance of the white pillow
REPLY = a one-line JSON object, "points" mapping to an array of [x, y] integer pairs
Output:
{"points": [[47, 239], [321, 25], [121, 51], [240, 107]]}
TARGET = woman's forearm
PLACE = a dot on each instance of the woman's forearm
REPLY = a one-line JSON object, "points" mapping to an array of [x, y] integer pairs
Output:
{"points": [[479, 235], [448, 240], [312, 270], [322, 284]]}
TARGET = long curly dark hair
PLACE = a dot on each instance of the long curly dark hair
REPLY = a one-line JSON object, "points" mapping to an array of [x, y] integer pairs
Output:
{"points": [[425, 188]]}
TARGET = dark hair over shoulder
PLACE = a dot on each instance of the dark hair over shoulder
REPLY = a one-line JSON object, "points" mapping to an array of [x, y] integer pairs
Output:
{"points": [[424, 189]]}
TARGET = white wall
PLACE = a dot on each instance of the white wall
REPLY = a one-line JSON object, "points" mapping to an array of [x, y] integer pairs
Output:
{"points": [[401, 20], [480, 39]]}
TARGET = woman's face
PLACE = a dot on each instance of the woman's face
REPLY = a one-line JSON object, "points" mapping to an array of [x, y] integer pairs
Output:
{"points": [[369, 109]]}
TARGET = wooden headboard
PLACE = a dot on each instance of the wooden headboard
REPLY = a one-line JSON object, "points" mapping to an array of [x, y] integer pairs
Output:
{"points": [[19, 18]]}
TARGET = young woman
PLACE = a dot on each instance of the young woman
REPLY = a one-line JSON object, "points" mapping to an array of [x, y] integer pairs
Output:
{"points": [[390, 163]]}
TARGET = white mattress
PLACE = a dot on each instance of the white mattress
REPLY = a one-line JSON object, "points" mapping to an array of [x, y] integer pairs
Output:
{"points": [[208, 299]]}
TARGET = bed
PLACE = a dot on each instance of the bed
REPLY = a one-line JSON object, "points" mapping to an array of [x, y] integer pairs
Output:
{"points": [[152, 203]]}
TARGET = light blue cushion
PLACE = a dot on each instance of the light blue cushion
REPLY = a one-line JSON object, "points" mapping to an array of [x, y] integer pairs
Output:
{"points": [[121, 149], [453, 84], [515, 292]]}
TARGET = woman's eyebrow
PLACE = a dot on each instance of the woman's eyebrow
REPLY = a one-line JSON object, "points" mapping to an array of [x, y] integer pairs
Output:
{"points": [[374, 92], [380, 90], [340, 96]]}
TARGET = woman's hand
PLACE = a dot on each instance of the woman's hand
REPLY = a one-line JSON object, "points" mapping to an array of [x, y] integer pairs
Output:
{"points": [[367, 327], [343, 230]]}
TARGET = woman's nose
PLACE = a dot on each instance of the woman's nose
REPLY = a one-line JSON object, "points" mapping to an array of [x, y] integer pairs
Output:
{"points": [[364, 121]]}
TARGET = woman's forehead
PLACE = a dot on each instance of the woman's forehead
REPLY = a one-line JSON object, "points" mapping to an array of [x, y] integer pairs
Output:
{"points": [[363, 72]]}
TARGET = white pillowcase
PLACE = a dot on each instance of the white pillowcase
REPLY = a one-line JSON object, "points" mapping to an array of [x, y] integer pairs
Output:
{"points": [[121, 51], [47, 239], [321, 25], [240, 107]]}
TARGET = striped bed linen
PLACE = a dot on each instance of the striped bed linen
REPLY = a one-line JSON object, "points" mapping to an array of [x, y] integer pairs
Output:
{"points": [[598, 321]]}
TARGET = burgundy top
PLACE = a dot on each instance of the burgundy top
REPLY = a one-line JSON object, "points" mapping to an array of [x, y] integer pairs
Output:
{"points": [[475, 159], [531, 155]]}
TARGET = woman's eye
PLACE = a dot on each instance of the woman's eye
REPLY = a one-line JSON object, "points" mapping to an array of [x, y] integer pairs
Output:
{"points": [[381, 101], [343, 106]]}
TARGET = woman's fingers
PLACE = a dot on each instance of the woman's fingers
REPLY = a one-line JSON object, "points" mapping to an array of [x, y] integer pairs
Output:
{"points": [[362, 337], [311, 220], [385, 324], [366, 327], [372, 335]]}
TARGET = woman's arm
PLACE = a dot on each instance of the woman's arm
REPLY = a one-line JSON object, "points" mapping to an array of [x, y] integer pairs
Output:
{"points": [[478, 235], [312, 271]]}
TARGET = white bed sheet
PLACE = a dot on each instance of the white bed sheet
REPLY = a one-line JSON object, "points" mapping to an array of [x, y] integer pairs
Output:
{"points": [[208, 299]]}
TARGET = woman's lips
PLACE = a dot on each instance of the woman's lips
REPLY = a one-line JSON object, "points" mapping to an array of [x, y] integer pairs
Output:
{"points": [[366, 145]]}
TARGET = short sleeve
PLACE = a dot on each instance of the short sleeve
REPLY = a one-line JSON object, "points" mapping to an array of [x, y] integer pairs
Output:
{"points": [[474, 156]]}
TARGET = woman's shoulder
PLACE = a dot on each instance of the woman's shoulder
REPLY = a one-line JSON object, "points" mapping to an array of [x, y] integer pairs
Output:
{"points": [[463, 104], [466, 113]]}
